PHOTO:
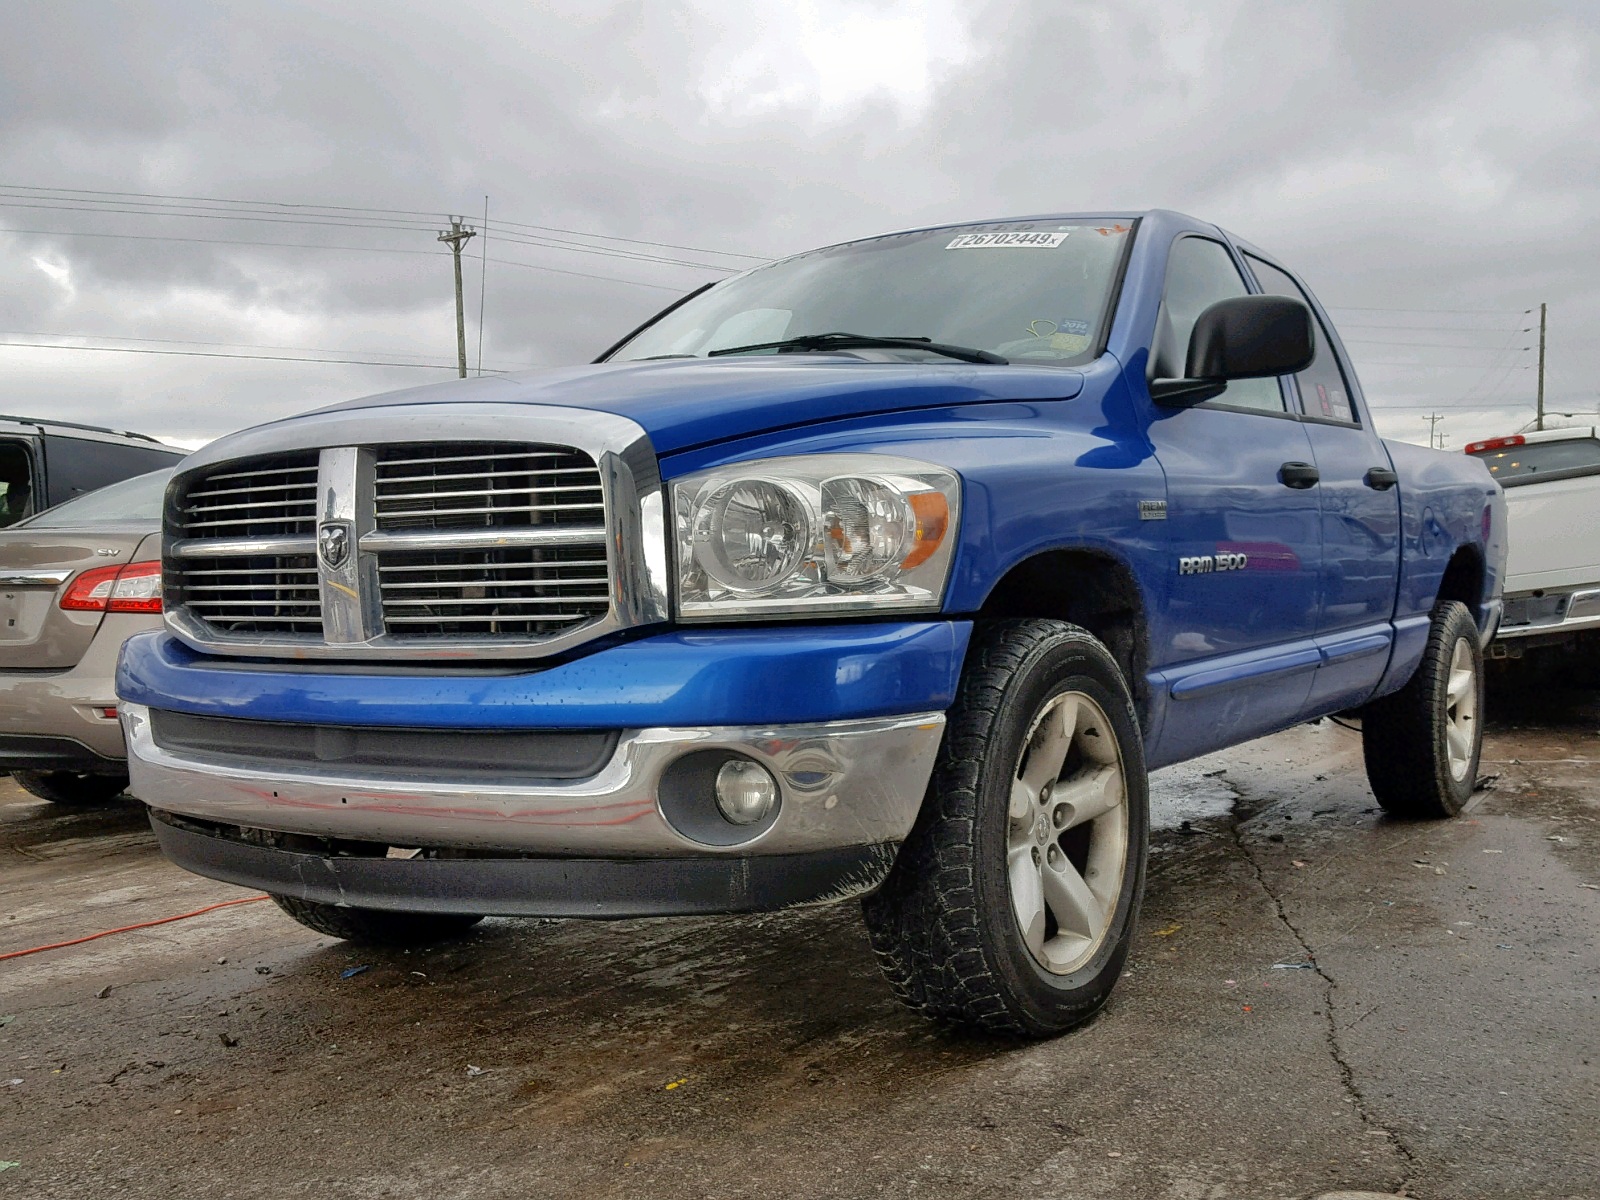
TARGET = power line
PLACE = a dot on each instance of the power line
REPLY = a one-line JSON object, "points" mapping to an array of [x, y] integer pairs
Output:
{"points": [[1506, 366], [1468, 312], [513, 262], [354, 362], [207, 215], [1425, 345], [638, 241], [110, 337], [23, 187], [158, 237], [1430, 328], [1416, 366], [1455, 408], [607, 251], [167, 237], [154, 203], [276, 219]]}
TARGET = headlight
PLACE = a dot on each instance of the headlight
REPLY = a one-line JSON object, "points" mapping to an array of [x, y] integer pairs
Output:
{"points": [[822, 533]]}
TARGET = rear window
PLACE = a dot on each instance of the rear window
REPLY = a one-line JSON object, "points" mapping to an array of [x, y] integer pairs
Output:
{"points": [[1524, 463], [133, 501]]}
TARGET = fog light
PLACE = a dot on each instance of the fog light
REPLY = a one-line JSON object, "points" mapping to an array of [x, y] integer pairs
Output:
{"points": [[746, 791]]}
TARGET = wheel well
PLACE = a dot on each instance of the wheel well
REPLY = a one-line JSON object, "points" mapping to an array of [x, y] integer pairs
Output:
{"points": [[1087, 588], [1463, 579]]}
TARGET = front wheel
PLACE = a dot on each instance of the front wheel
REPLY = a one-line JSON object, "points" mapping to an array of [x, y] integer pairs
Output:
{"points": [[72, 788], [1012, 904], [1422, 743]]}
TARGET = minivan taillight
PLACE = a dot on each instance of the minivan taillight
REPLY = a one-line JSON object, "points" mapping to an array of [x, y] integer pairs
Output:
{"points": [[134, 588]]}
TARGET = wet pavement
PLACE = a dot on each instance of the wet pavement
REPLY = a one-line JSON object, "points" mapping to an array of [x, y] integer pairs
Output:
{"points": [[1320, 999]]}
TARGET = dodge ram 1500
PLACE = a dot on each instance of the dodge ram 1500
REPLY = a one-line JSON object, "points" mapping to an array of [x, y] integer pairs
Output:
{"points": [[885, 571]]}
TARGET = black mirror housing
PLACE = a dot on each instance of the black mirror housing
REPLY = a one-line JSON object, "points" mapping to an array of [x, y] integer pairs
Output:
{"points": [[1251, 337]]}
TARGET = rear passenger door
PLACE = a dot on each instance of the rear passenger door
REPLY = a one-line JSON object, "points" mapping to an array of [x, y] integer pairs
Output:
{"points": [[1360, 516], [1236, 649]]}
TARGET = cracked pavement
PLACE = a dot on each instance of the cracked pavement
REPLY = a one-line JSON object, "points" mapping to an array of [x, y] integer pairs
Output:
{"points": [[1444, 1042]]}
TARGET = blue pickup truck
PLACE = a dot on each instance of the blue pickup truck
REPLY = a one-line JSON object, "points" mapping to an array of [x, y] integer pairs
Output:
{"points": [[885, 571]]}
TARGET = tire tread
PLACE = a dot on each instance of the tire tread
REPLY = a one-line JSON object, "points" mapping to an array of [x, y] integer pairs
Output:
{"points": [[923, 923], [1401, 733]]}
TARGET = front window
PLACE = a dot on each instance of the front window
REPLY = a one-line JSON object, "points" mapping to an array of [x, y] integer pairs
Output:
{"points": [[1029, 291]]}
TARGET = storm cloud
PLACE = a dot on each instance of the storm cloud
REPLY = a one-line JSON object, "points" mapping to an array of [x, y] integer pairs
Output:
{"points": [[1431, 168]]}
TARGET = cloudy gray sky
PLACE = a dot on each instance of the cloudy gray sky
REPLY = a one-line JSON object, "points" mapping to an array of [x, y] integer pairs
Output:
{"points": [[1432, 167]]}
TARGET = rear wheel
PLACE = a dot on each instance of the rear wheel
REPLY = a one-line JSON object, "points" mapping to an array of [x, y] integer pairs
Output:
{"points": [[374, 926], [1422, 744], [1012, 904], [72, 787]]}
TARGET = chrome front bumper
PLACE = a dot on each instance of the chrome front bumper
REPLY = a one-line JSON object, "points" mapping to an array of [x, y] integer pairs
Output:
{"points": [[842, 784]]}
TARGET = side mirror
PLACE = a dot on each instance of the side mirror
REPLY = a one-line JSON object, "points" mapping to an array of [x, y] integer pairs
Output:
{"points": [[1246, 337]]}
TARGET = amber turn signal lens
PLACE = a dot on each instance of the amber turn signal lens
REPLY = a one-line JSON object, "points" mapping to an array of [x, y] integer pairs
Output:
{"points": [[933, 521]]}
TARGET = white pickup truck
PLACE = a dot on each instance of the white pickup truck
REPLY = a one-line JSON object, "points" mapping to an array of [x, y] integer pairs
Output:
{"points": [[1552, 584]]}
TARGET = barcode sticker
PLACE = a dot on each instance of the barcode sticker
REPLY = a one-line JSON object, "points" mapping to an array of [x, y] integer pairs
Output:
{"points": [[986, 241]]}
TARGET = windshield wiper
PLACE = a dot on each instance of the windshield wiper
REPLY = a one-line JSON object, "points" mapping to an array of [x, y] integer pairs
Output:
{"points": [[864, 341]]}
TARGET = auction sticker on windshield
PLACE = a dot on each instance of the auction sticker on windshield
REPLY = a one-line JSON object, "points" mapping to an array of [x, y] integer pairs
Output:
{"points": [[984, 241]]}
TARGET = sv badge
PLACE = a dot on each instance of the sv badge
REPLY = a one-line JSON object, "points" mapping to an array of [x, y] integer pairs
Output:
{"points": [[333, 544]]}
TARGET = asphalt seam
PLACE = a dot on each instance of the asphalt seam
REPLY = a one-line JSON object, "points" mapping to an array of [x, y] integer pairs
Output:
{"points": [[1347, 1076]]}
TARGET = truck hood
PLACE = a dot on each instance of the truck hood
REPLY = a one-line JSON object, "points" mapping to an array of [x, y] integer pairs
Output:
{"points": [[683, 403]]}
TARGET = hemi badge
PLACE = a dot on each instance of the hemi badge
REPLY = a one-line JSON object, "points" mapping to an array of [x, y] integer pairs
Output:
{"points": [[1152, 510]]}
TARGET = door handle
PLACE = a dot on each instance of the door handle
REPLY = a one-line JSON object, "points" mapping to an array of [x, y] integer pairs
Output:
{"points": [[1298, 475], [1380, 479]]}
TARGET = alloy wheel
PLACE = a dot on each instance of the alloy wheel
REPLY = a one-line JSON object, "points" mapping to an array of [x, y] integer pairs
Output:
{"points": [[1067, 843]]}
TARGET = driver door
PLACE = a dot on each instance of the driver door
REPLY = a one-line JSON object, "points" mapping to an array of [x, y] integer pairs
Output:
{"points": [[1236, 647]]}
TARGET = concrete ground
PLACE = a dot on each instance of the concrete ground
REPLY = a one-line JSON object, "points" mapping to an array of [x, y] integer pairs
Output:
{"points": [[1320, 999]]}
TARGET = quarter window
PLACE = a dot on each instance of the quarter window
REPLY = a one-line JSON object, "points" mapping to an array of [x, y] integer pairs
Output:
{"points": [[1199, 273], [1324, 391]]}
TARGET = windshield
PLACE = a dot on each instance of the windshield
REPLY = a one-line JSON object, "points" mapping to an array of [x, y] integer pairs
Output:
{"points": [[133, 501], [1029, 291]]}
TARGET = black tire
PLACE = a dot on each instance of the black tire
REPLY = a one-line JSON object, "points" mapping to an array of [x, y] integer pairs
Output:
{"points": [[943, 925], [1405, 737], [374, 926], [72, 788]]}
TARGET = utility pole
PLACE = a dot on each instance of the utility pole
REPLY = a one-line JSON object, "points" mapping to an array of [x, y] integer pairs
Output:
{"points": [[1433, 420], [457, 237], [1540, 424]]}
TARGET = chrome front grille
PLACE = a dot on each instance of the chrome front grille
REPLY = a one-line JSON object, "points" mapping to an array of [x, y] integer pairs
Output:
{"points": [[489, 593], [486, 486], [270, 497], [275, 594], [401, 548]]}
